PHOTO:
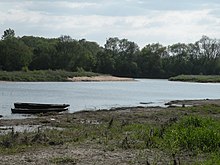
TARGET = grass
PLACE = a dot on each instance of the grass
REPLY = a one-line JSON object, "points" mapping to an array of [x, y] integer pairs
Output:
{"points": [[196, 78], [63, 160], [213, 159], [192, 133], [195, 134], [42, 75]]}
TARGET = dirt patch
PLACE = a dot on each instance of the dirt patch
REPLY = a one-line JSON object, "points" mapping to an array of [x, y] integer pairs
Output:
{"points": [[83, 155]]}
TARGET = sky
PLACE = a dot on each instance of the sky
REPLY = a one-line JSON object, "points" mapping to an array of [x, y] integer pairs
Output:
{"points": [[141, 21]]}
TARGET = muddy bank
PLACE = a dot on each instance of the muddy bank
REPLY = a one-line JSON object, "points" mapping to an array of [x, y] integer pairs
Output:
{"points": [[140, 114], [93, 150], [193, 102], [89, 151]]}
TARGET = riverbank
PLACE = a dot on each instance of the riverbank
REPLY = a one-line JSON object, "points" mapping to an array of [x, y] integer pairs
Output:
{"points": [[42, 75], [197, 78], [130, 135], [201, 102], [57, 76]]}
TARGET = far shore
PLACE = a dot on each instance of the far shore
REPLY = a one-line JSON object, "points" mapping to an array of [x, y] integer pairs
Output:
{"points": [[99, 78], [57, 76]]}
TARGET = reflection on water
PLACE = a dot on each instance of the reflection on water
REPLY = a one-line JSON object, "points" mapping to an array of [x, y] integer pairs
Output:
{"points": [[96, 95]]}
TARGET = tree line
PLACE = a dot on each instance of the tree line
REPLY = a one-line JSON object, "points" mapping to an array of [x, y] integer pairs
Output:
{"points": [[119, 57]]}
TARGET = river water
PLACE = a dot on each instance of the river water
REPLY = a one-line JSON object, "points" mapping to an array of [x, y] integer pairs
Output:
{"points": [[97, 95]]}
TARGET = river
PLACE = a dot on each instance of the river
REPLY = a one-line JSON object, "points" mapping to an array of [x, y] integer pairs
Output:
{"points": [[98, 95]]}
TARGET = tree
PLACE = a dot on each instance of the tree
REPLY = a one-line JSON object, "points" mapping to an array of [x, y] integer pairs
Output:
{"points": [[209, 52], [14, 54], [44, 51], [93, 49], [9, 33], [124, 53], [105, 63], [65, 51], [150, 60], [180, 58]]}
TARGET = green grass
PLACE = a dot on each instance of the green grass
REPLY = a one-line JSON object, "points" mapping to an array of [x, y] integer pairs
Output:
{"points": [[192, 133], [196, 78], [42, 75], [213, 159]]}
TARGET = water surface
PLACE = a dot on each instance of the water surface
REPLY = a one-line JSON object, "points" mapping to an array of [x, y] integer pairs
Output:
{"points": [[97, 95]]}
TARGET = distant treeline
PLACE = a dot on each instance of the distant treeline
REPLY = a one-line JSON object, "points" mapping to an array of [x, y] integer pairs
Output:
{"points": [[119, 57]]}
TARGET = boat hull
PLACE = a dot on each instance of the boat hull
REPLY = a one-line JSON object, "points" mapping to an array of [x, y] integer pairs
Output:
{"points": [[39, 106], [34, 111], [31, 108]]}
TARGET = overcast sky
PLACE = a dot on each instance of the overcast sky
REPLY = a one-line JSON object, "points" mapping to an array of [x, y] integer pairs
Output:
{"points": [[141, 21]]}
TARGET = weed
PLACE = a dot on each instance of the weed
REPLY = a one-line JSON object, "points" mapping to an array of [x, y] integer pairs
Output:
{"points": [[63, 160]]}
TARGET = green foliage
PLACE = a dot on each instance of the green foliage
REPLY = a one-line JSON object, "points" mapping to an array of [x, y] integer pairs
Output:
{"points": [[8, 34], [119, 57], [193, 134], [151, 60], [14, 54]]}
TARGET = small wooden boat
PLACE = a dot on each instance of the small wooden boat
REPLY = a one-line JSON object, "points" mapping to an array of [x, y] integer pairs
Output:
{"points": [[34, 111], [32, 108], [39, 106]]}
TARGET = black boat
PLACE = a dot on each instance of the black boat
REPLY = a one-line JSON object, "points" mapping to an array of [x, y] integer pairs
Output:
{"points": [[34, 111], [31, 108], [39, 106]]}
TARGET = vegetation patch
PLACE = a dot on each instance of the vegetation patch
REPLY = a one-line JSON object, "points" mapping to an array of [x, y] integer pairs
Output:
{"points": [[42, 75], [63, 160], [193, 133], [196, 78]]}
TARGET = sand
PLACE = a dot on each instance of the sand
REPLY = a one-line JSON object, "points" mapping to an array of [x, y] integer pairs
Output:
{"points": [[100, 78]]}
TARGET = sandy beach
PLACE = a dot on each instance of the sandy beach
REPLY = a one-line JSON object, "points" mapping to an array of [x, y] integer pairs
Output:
{"points": [[100, 78]]}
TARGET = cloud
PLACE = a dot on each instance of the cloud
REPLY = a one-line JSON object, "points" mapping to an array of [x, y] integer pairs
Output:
{"points": [[140, 21]]}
